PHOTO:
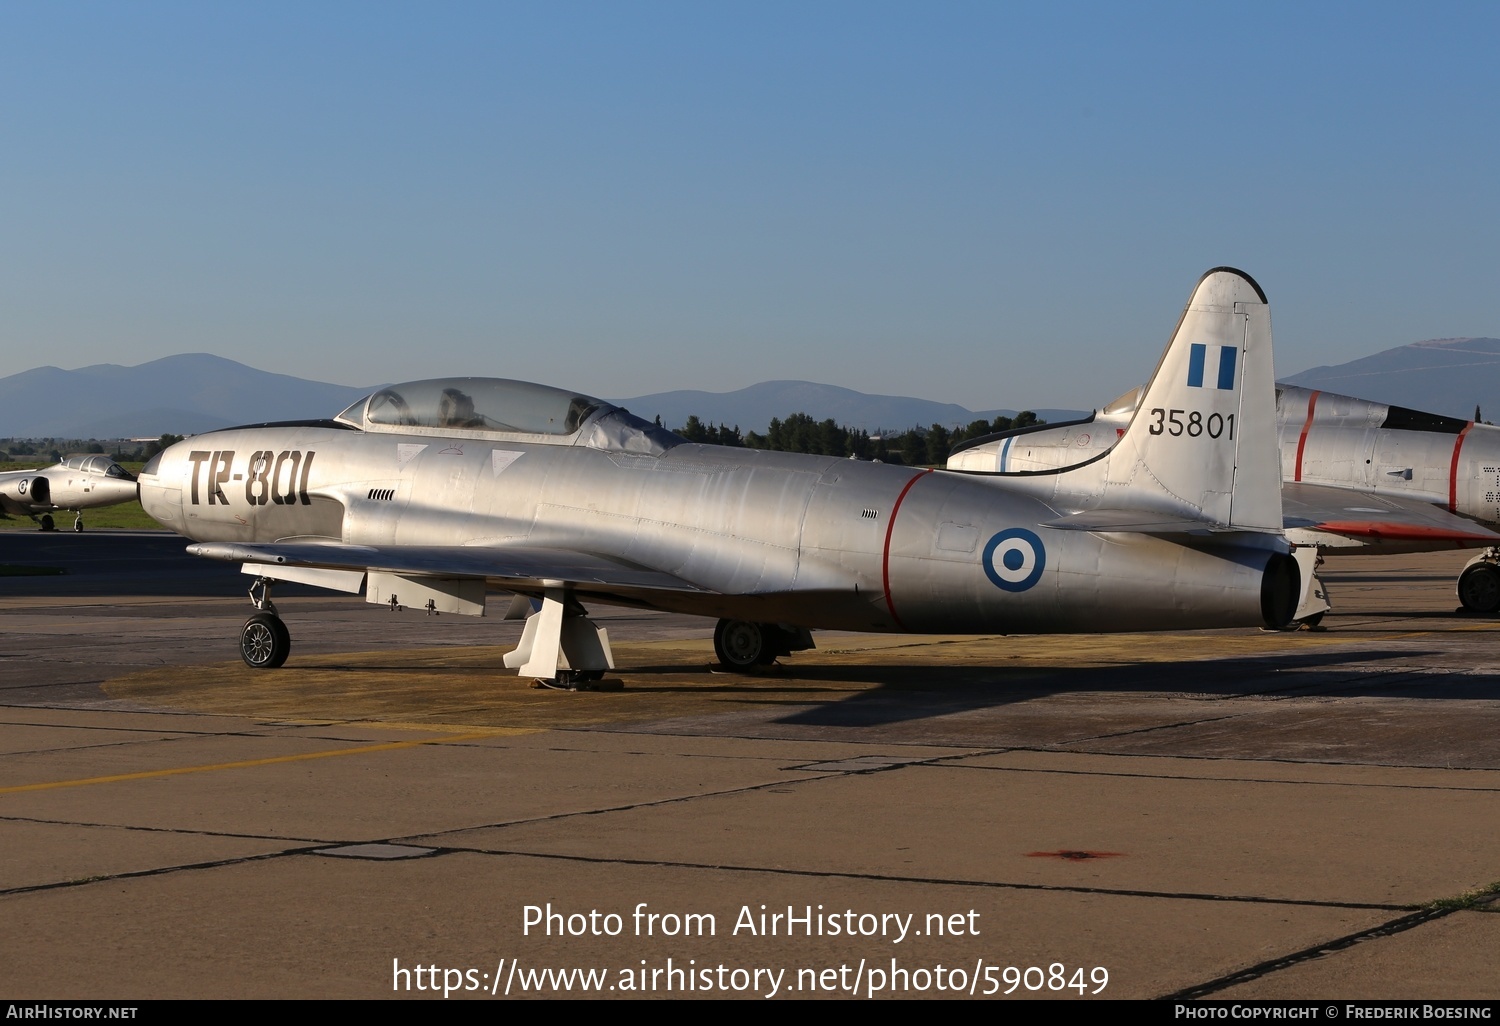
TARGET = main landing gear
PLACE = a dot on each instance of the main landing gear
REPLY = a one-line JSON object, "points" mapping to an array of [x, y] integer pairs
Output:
{"points": [[1479, 584], [743, 645], [46, 523], [264, 640]]}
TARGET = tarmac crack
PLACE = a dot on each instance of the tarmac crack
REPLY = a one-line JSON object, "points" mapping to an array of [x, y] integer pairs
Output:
{"points": [[1273, 760], [1253, 899], [1147, 730], [180, 831], [1233, 780], [677, 799], [1274, 965], [628, 807], [159, 871], [38, 684]]}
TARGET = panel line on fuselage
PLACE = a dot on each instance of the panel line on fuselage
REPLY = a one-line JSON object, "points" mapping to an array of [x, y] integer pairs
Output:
{"points": [[885, 558]]}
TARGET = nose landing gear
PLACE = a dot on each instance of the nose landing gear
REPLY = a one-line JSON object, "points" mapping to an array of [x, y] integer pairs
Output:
{"points": [[264, 640]]}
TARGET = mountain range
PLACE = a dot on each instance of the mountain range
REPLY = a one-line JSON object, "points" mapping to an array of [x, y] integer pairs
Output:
{"points": [[197, 392], [1450, 376], [186, 394]]}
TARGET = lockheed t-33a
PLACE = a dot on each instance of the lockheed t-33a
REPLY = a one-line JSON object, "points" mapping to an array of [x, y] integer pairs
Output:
{"points": [[429, 493]]}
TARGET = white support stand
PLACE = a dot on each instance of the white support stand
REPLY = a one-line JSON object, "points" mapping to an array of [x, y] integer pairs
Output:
{"points": [[553, 641]]}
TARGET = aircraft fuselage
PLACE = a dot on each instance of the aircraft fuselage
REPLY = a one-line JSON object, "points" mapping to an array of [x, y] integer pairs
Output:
{"points": [[809, 541]]}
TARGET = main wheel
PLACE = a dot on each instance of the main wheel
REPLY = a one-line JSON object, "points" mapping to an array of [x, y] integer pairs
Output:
{"points": [[1479, 589], [264, 642], [47, 524], [741, 645]]}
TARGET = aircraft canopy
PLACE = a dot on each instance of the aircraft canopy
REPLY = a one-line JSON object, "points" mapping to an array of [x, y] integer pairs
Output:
{"points": [[97, 464], [473, 404], [487, 407]]}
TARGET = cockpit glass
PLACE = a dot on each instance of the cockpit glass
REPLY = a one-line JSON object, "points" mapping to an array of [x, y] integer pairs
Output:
{"points": [[96, 464], [478, 404], [354, 413]]}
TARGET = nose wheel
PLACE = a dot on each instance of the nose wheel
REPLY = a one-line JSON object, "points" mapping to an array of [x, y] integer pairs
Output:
{"points": [[264, 642]]}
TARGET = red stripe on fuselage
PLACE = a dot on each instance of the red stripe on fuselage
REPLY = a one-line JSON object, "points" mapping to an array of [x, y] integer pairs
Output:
{"points": [[885, 559], [1453, 468], [1312, 404]]}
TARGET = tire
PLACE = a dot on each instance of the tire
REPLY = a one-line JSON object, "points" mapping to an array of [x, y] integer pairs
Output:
{"points": [[742, 645], [78, 526], [47, 523], [264, 642], [1479, 589]]}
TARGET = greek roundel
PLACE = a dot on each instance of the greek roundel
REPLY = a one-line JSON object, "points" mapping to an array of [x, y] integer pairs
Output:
{"points": [[1014, 559]]}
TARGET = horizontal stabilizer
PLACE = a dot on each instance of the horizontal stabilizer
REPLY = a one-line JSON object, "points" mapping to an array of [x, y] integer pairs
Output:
{"points": [[1134, 521]]}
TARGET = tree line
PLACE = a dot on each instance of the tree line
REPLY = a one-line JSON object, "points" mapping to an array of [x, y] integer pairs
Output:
{"points": [[55, 449], [917, 446]]}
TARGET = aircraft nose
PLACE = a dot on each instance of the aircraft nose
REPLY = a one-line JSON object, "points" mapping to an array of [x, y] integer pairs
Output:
{"points": [[120, 490], [163, 502]]}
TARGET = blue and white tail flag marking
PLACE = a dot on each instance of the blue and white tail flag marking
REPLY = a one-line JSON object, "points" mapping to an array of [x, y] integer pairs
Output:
{"points": [[1226, 357]]}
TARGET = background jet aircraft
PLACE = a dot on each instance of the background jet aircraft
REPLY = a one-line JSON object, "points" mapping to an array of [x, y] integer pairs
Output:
{"points": [[426, 493], [77, 484], [1358, 477]]}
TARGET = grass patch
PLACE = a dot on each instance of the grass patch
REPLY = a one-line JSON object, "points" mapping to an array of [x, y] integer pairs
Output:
{"points": [[125, 516], [1479, 896]]}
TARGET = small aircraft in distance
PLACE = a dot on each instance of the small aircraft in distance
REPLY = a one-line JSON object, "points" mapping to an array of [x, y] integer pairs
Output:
{"points": [[427, 493], [76, 484], [1358, 478]]}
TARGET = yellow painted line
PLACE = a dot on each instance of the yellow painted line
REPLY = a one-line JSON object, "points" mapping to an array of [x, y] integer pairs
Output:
{"points": [[389, 746]]}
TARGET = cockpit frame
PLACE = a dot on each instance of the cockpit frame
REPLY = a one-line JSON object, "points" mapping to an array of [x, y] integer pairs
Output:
{"points": [[502, 409]]}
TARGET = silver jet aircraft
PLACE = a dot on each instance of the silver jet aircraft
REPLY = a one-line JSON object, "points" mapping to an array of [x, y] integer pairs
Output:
{"points": [[76, 484], [1358, 478], [425, 494]]}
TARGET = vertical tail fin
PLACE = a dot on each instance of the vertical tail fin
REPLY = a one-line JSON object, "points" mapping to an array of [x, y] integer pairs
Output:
{"points": [[1203, 440]]}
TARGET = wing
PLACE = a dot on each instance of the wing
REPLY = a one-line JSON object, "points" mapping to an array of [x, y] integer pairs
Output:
{"points": [[1342, 518], [518, 568]]}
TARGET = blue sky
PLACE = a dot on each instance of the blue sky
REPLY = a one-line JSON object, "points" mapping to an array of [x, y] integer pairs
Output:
{"points": [[991, 204]]}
